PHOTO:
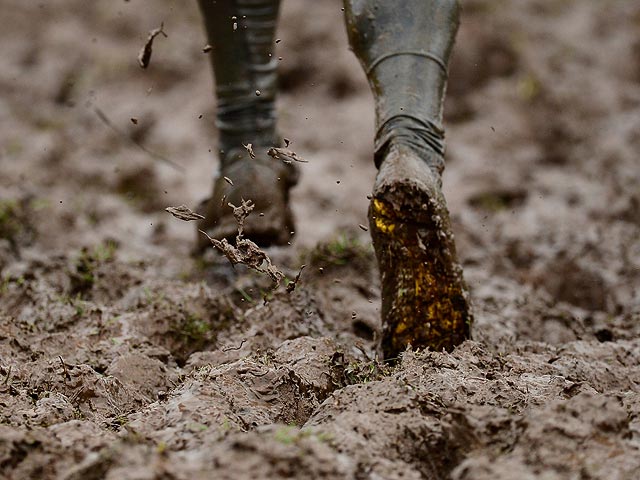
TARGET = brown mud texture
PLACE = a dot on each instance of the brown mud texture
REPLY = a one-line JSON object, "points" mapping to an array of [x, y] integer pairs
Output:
{"points": [[121, 357]]}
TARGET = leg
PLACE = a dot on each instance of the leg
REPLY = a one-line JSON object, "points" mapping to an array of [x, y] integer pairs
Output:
{"points": [[242, 35], [404, 48]]}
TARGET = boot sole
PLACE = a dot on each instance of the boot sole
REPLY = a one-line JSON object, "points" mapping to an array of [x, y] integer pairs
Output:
{"points": [[424, 298]]}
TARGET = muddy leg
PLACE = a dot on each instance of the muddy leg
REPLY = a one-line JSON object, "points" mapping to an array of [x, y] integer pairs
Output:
{"points": [[404, 48], [242, 34]]}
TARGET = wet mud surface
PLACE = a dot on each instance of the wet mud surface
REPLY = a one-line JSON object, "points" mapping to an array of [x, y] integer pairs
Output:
{"points": [[121, 357]]}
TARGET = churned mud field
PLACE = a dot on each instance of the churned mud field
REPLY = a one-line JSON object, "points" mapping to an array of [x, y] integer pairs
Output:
{"points": [[122, 357]]}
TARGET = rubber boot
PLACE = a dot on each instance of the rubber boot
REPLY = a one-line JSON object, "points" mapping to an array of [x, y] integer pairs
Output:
{"points": [[404, 48], [242, 33]]}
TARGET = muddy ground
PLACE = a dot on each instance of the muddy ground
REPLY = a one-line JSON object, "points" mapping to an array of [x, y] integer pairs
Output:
{"points": [[121, 357]]}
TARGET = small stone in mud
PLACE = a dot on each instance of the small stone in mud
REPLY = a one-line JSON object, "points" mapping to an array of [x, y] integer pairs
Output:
{"points": [[258, 93], [207, 48], [183, 213]]}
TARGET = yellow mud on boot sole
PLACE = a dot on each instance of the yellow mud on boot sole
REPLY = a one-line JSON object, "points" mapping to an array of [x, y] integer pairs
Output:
{"points": [[424, 298]]}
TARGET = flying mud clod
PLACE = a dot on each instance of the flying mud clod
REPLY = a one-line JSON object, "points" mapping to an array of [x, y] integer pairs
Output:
{"points": [[286, 155], [294, 283], [144, 57], [184, 213], [245, 251], [249, 148]]}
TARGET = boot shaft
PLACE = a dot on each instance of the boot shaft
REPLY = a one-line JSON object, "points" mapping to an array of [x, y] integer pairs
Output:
{"points": [[242, 33], [404, 48]]}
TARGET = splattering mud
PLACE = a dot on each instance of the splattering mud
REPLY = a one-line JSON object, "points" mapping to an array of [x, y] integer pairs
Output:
{"points": [[121, 357], [246, 252], [184, 213], [144, 57], [286, 155]]}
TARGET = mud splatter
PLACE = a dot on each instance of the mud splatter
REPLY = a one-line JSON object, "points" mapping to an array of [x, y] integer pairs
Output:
{"points": [[184, 213], [144, 57], [245, 252], [286, 155]]}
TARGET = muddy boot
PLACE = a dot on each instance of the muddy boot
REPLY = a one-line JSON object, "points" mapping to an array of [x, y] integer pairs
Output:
{"points": [[261, 180], [404, 48], [242, 34]]}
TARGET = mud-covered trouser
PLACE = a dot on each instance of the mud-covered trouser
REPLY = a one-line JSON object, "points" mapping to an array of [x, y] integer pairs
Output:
{"points": [[404, 47], [242, 34]]}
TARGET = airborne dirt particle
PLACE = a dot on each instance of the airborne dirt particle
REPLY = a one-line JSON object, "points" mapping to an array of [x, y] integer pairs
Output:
{"points": [[249, 148], [292, 285], [286, 155], [144, 57], [184, 213]]}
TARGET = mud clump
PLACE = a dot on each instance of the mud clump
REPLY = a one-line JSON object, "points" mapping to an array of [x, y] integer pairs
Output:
{"points": [[16, 222]]}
